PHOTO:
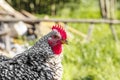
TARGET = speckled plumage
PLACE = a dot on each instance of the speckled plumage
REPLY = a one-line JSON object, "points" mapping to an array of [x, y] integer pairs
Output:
{"points": [[4, 58], [37, 63]]}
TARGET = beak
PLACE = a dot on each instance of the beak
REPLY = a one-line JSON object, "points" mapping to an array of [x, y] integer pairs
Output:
{"points": [[64, 42]]}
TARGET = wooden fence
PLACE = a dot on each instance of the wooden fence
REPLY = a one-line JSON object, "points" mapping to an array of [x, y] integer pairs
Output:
{"points": [[65, 21], [94, 21]]}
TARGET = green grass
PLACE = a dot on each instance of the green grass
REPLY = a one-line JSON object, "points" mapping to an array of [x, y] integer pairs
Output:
{"points": [[97, 60]]}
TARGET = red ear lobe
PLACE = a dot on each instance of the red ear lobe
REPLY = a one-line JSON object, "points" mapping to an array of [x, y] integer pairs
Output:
{"points": [[60, 29]]}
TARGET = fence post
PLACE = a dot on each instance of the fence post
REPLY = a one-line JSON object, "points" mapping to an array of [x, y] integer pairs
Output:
{"points": [[113, 32], [7, 37], [89, 34], [66, 27]]}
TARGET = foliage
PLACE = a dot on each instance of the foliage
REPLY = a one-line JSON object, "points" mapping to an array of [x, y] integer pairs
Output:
{"points": [[63, 8], [97, 60], [36, 6], [82, 9]]}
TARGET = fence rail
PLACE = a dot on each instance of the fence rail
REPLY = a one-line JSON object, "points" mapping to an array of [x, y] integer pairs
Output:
{"points": [[95, 21], [87, 37]]}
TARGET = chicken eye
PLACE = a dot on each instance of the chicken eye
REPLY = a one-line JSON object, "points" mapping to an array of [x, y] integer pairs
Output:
{"points": [[56, 36]]}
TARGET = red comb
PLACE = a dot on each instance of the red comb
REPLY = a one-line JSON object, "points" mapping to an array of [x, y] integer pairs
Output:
{"points": [[60, 29]]}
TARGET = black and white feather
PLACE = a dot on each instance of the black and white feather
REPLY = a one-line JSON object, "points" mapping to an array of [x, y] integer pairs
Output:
{"points": [[36, 63]]}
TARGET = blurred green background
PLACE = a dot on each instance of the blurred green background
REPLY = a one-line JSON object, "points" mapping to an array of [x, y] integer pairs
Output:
{"points": [[97, 60]]}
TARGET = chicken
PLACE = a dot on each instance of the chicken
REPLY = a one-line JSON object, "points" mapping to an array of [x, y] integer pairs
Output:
{"points": [[40, 62]]}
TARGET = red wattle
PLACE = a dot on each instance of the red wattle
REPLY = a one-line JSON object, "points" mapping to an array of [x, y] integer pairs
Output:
{"points": [[57, 49]]}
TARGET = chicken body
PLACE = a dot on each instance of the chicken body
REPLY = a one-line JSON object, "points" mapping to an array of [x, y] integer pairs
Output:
{"points": [[4, 58], [37, 63]]}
